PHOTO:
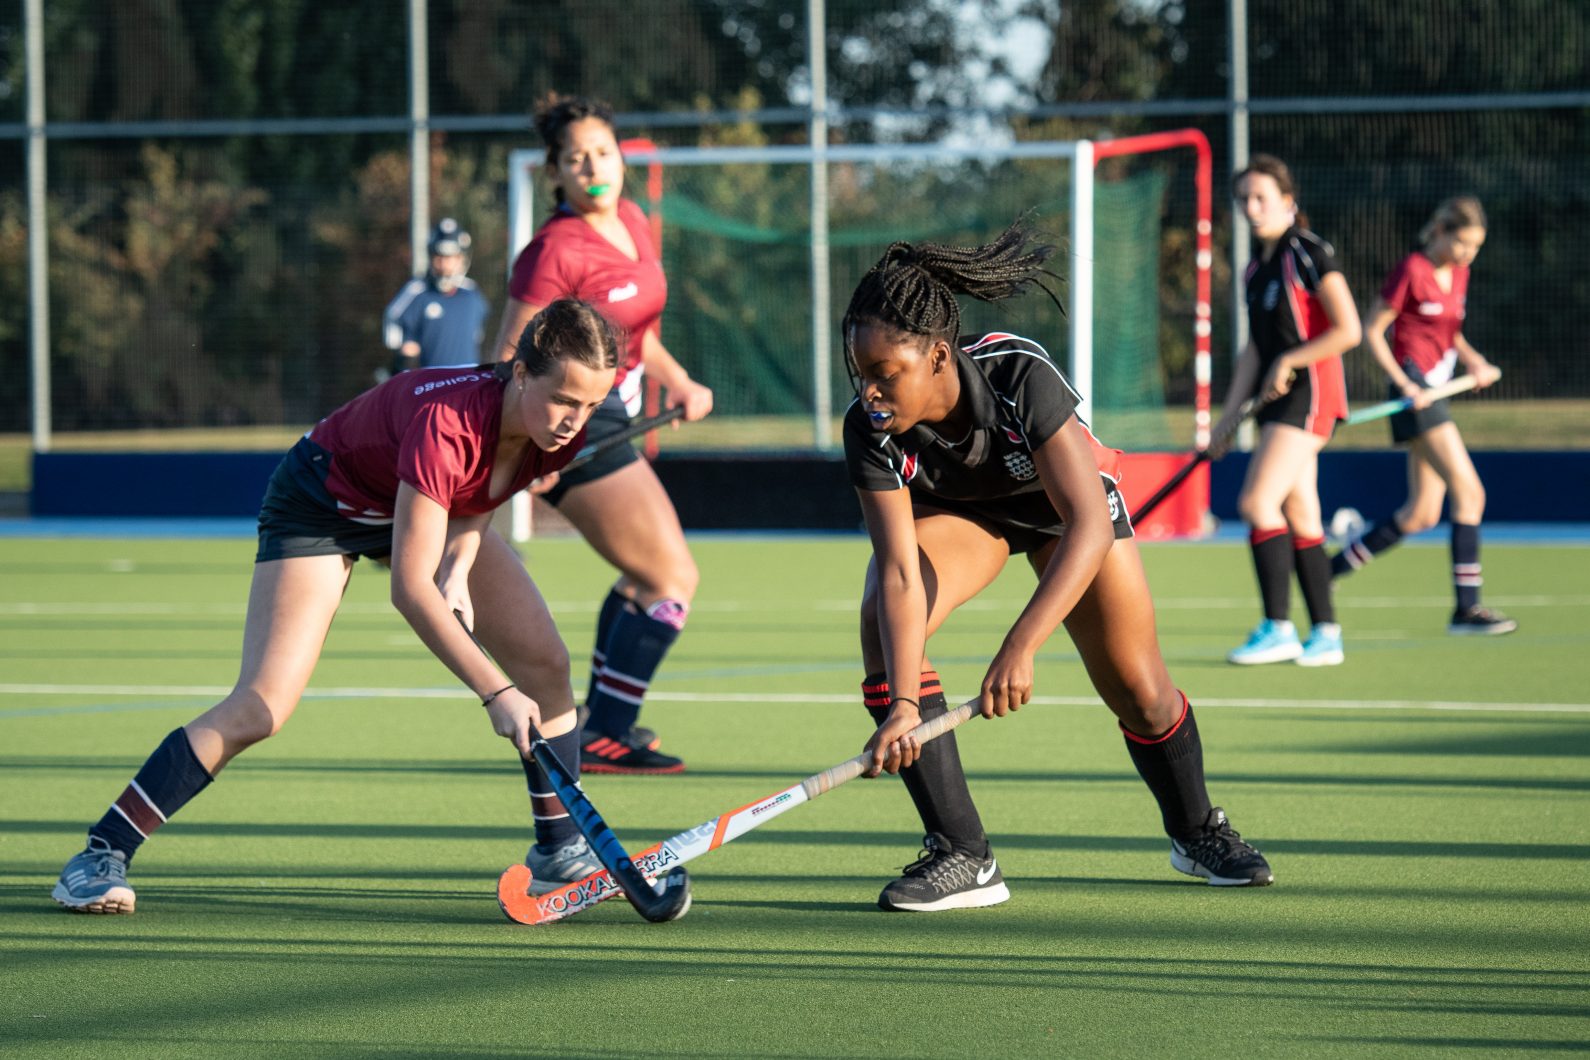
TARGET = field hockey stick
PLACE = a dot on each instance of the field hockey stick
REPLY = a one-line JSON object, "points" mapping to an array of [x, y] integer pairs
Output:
{"points": [[580, 895], [634, 430], [1462, 384], [658, 903], [1199, 457]]}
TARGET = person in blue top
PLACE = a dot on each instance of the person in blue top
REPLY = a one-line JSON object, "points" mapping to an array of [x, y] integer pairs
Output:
{"points": [[438, 321]]}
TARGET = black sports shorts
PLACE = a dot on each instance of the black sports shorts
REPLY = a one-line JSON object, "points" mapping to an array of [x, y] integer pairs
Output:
{"points": [[608, 419], [1410, 423], [299, 515], [1027, 521]]}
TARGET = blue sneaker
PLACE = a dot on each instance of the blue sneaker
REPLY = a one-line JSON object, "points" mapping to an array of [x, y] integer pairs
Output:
{"points": [[1323, 647], [1270, 642], [95, 881]]}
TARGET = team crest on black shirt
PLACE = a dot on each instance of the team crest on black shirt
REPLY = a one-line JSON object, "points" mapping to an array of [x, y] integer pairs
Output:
{"points": [[908, 467], [1020, 466], [1272, 295]]}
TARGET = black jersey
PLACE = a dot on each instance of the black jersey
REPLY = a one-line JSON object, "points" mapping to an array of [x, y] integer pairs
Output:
{"points": [[1018, 400], [1284, 309], [1284, 312]]}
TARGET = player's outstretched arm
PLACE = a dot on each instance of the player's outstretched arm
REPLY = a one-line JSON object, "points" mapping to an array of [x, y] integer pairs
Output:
{"points": [[902, 623]]}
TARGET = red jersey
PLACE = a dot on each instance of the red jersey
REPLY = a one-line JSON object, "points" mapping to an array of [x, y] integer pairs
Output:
{"points": [[434, 428], [570, 259], [1428, 318]]}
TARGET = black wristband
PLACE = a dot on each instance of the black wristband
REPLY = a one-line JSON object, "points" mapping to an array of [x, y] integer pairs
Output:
{"points": [[906, 699], [489, 700]]}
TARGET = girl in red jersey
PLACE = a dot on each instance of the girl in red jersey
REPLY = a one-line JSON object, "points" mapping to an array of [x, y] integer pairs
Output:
{"points": [[597, 246], [1423, 302], [408, 472], [1301, 320], [965, 450]]}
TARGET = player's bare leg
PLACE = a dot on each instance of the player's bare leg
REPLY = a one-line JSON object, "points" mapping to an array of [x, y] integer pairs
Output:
{"points": [[290, 607], [1113, 628], [957, 869], [1281, 471]]}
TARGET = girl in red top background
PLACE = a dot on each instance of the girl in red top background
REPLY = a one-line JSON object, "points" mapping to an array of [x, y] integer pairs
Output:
{"points": [[408, 472], [597, 246], [1423, 302]]}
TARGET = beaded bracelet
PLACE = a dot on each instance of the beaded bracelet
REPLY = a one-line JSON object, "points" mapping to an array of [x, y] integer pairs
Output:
{"points": [[489, 700]]}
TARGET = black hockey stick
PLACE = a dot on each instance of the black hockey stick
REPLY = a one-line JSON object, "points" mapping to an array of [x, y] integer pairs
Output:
{"points": [[1199, 457], [634, 430], [669, 899]]}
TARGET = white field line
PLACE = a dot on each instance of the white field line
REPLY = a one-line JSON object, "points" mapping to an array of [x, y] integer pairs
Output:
{"points": [[751, 698], [1163, 603]]}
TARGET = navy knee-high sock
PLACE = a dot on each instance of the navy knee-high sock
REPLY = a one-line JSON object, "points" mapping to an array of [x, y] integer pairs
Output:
{"points": [[1172, 765], [634, 650], [936, 783], [1356, 554], [1272, 562], [612, 605], [1466, 580], [1314, 578], [554, 827], [169, 778]]}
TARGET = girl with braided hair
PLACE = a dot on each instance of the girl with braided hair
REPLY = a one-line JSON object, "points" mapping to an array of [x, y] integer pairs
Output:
{"points": [[965, 450]]}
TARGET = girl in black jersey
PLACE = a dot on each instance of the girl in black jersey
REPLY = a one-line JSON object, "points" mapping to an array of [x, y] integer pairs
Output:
{"points": [[1301, 320], [965, 451]]}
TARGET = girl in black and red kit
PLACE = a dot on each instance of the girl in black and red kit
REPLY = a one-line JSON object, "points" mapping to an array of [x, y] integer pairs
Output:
{"points": [[1301, 320], [407, 473], [1424, 302], [964, 450]]}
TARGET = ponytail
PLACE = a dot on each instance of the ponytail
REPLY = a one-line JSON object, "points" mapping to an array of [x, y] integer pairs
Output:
{"points": [[912, 288]]}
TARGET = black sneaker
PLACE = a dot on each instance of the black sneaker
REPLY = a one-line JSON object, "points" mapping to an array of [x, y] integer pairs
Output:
{"points": [[944, 878], [1480, 621], [639, 735], [604, 754], [1220, 856]]}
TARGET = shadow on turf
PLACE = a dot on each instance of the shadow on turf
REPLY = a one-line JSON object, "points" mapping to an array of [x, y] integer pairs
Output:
{"points": [[1390, 848]]}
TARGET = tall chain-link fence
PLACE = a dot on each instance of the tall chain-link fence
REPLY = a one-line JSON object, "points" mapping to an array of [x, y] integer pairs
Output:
{"points": [[228, 185]]}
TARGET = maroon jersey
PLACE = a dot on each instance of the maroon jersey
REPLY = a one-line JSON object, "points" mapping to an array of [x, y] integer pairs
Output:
{"points": [[1284, 312], [570, 259], [434, 428], [1428, 318]]}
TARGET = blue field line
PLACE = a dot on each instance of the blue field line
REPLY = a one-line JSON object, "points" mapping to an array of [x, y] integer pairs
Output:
{"points": [[1230, 532]]}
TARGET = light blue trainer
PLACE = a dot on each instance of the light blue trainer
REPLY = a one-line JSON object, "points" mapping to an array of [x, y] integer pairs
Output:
{"points": [[95, 881], [1270, 642], [551, 869], [1323, 647]]}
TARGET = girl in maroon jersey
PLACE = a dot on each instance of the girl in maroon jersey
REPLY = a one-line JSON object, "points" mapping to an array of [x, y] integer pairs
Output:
{"points": [[1301, 320], [1423, 301], [408, 472], [597, 246]]}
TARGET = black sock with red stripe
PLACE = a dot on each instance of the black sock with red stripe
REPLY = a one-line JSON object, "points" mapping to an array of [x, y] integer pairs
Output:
{"points": [[554, 827], [169, 778], [1314, 578], [1172, 765], [936, 783], [1272, 562], [1466, 579]]}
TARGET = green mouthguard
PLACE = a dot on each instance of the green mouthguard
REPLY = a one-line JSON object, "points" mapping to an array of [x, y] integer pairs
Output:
{"points": [[598, 189]]}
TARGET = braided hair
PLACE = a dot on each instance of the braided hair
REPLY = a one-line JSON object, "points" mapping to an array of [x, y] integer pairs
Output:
{"points": [[566, 330], [912, 288]]}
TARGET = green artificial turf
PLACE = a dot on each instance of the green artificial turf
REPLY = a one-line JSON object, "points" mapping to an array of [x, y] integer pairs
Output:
{"points": [[333, 893]]}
